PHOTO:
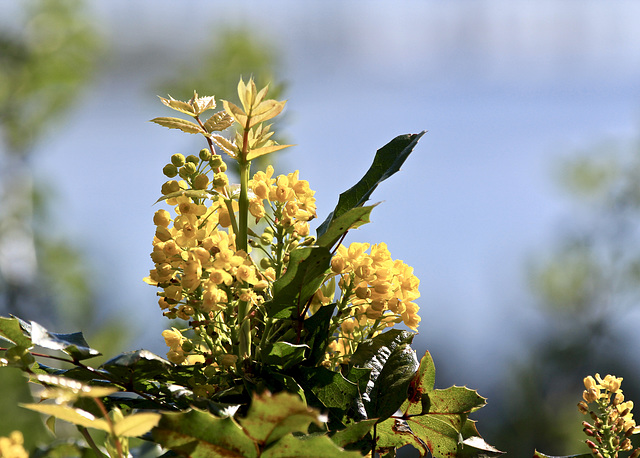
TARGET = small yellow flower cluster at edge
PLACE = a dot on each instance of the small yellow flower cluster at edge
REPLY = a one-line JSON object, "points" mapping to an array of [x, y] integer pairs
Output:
{"points": [[12, 446], [612, 416]]}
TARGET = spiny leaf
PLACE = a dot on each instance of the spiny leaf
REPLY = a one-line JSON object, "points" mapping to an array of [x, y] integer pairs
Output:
{"points": [[353, 432], [11, 330], [180, 124], [199, 434], [291, 446], [387, 161], [437, 418], [271, 417]]}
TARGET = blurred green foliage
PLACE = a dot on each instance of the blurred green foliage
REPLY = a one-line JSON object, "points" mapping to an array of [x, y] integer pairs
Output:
{"points": [[586, 286]]}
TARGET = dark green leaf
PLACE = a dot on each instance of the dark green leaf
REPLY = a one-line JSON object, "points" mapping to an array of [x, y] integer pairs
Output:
{"points": [[305, 273], [331, 389], [393, 365], [351, 219], [317, 335], [11, 330], [283, 354], [134, 366], [387, 161], [72, 344]]}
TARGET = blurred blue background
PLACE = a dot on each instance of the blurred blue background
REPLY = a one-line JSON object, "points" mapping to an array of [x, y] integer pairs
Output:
{"points": [[507, 90]]}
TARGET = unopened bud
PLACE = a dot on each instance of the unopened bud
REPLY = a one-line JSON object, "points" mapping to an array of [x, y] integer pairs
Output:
{"points": [[265, 263], [205, 154], [220, 180], [187, 170], [193, 159], [170, 170], [215, 161], [227, 359], [169, 187], [201, 182], [177, 160], [187, 346]]}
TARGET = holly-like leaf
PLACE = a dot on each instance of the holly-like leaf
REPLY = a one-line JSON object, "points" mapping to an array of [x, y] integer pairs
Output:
{"points": [[72, 344], [387, 161], [199, 434], [180, 124], [271, 417], [305, 273], [308, 446], [11, 330], [393, 366], [437, 418], [218, 122]]}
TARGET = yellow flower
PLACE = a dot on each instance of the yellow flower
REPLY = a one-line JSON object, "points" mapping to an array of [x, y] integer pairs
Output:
{"points": [[12, 446]]}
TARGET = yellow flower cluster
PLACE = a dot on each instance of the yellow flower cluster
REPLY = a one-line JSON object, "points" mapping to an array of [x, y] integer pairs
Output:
{"points": [[290, 198], [376, 292], [613, 420], [196, 264], [380, 288], [12, 446]]}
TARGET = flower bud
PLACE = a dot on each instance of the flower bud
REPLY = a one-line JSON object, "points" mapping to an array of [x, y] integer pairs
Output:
{"points": [[215, 161], [177, 160], [220, 180], [170, 170], [170, 186], [187, 170], [205, 154], [266, 239], [265, 263], [193, 159], [187, 346], [201, 182]]}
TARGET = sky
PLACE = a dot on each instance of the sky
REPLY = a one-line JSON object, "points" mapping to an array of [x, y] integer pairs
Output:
{"points": [[505, 90]]}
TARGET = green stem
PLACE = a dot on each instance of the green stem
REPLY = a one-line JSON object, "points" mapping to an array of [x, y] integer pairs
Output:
{"points": [[243, 204], [90, 441]]}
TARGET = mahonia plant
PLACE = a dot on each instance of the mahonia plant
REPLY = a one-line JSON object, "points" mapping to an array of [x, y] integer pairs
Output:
{"points": [[612, 420], [206, 253], [281, 343]]}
